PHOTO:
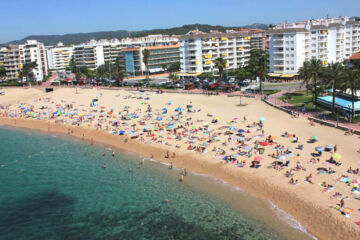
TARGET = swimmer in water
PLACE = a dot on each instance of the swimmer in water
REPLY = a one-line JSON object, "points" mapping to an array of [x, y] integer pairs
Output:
{"points": [[181, 178], [113, 154], [171, 165], [104, 166], [102, 154], [130, 170]]}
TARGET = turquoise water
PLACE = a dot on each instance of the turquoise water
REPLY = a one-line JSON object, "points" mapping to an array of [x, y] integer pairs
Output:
{"points": [[341, 102], [54, 188]]}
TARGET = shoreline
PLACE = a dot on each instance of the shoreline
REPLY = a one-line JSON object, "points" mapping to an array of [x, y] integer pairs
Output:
{"points": [[307, 213]]}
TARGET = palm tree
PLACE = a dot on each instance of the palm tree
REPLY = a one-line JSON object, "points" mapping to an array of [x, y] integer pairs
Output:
{"points": [[334, 73], [146, 55], [313, 71], [352, 82], [220, 64]]}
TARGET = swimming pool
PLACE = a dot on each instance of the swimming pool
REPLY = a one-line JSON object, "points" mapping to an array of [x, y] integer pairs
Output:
{"points": [[339, 103]]}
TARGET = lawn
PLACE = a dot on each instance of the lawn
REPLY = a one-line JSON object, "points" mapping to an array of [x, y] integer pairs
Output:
{"points": [[300, 98]]}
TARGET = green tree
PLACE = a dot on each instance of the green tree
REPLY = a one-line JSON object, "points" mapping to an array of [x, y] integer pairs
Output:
{"points": [[146, 56], [120, 76], [2, 72], [27, 70], [313, 71], [352, 82], [205, 75], [334, 73], [72, 65], [173, 77], [174, 67], [257, 65], [220, 64], [240, 73], [164, 67]]}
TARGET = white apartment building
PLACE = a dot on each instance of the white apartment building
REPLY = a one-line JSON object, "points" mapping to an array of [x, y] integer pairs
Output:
{"points": [[95, 53], [59, 56], [329, 40], [198, 51], [14, 56]]}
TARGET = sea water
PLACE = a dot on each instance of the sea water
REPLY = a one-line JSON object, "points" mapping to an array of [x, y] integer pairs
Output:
{"points": [[57, 188]]}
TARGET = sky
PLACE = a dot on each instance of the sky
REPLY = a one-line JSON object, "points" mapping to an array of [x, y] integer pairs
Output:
{"points": [[20, 18]]}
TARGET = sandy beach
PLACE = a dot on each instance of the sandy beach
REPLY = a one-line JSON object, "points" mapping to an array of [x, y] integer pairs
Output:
{"points": [[220, 140]]}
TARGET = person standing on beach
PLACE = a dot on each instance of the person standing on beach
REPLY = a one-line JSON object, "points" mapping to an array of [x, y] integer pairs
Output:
{"points": [[335, 148], [342, 203]]}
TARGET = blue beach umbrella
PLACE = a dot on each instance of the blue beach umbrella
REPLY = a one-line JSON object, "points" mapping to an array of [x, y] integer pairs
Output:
{"points": [[241, 130], [121, 132], [319, 149]]}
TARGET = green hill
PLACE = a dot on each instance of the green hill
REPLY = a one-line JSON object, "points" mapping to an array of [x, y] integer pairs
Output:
{"points": [[76, 38]]}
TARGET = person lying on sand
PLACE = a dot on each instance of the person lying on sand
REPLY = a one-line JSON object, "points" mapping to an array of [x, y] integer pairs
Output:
{"points": [[309, 178]]}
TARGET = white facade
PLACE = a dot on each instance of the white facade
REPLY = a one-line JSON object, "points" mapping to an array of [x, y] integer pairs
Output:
{"points": [[14, 56], [329, 40], [59, 56], [95, 53], [198, 51]]}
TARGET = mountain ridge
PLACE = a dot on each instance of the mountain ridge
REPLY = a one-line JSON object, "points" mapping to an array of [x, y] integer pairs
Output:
{"points": [[76, 38]]}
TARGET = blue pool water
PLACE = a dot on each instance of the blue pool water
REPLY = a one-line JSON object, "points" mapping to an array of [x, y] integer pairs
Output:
{"points": [[54, 188], [340, 102]]}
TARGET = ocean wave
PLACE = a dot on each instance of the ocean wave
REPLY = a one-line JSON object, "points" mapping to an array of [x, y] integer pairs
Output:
{"points": [[289, 219]]}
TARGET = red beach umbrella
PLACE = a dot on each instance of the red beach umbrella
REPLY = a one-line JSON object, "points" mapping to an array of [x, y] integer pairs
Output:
{"points": [[264, 143], [257, 158]]}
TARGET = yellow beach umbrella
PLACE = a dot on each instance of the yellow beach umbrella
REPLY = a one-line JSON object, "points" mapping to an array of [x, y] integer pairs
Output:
{"points": [[336, 156]]}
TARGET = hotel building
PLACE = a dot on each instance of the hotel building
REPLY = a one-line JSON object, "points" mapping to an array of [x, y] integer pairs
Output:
{"points": [[199, 50], [59, 56], [14, 56], [258, 36], [131, 59], [95, 53], [329, 40]]}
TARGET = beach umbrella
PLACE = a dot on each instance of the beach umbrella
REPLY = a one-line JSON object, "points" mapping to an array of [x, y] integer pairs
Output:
{"points": [[169, 102], [262, 119], [164, 109], [314, 138], [336, 156], [319, 149], [282, 158], [264, 143], [241, 130], [235, 155], [322, 169], [232, 128], [246, 148], [273, 138], [257, 158], [122, 132], [357, 181]]}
